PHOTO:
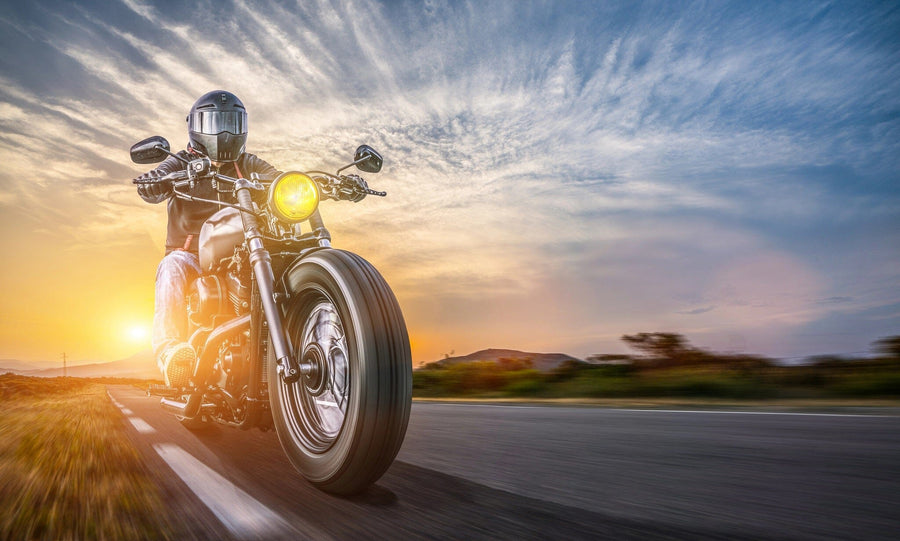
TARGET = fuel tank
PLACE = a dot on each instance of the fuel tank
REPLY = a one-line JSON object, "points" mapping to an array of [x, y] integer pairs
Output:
{"points": [[218, 237]]}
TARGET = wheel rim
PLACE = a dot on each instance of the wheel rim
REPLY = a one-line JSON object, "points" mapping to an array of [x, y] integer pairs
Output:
{"points": [[317, 403]]}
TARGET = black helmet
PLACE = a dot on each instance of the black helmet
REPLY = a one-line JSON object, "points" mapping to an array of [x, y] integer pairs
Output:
{"points": [[217, 126]]}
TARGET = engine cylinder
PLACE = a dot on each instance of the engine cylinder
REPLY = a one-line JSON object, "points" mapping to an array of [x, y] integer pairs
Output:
{"points": [[205, 299]]}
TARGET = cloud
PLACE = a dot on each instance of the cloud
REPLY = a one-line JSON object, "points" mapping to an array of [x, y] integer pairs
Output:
{"points": [[619, 167], [697, 311]]}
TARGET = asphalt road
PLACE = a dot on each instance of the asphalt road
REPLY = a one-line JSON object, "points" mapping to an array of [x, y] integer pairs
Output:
{"points": [[507, 472]]}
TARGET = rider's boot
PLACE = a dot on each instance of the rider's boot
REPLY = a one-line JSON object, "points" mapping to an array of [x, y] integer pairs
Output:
{"points": [[178, 364]]}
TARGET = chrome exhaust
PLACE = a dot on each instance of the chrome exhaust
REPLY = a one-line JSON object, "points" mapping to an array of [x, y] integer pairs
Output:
{"points": [[211, 345], [189, 409], [173, 406]]}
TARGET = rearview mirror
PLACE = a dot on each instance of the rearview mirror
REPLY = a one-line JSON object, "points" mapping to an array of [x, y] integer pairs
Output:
{"points": [[367, 159], [150, 150]]}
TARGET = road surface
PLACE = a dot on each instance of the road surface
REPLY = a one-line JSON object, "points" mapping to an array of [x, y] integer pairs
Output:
{"points": [[509, 472]]}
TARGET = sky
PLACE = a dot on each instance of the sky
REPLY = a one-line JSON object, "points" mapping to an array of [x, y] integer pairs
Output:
{"points": [[558, 173]]}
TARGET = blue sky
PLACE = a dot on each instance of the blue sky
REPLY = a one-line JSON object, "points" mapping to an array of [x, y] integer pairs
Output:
{"points": [[559, 173]]}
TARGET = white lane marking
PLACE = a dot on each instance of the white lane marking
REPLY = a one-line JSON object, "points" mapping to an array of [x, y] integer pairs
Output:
{"points": [[800, 414], [126, 411], [515, 406], [141, 425], [244, 517]]}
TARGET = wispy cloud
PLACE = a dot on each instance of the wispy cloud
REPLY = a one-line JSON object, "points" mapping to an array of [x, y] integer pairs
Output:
{"points": [[610, 167]]}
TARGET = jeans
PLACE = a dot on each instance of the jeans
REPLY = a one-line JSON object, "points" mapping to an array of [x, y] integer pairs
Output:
{"points": [[174, 276]]}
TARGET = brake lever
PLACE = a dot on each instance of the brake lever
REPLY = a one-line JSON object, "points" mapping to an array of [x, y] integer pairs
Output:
{"points": [[174, 176], [357, 185]]}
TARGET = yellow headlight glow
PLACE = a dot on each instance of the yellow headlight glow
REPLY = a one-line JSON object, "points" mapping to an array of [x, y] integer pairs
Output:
{"points": [[293, 197]]}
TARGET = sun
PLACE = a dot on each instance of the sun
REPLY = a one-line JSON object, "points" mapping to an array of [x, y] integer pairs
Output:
{"points": [[137, 333]]}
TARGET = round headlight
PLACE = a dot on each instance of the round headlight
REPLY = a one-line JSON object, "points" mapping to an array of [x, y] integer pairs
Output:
{"points": [[293, 197]]}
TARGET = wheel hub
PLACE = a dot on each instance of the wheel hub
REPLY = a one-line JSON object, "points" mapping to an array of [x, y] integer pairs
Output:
{"points": [[317, 379]]}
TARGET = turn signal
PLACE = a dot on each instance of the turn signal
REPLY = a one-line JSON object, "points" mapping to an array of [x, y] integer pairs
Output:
{"points": [[293, 197]]}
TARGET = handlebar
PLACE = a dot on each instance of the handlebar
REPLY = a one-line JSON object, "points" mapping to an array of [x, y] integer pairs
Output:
{"points": [[344, 187]]}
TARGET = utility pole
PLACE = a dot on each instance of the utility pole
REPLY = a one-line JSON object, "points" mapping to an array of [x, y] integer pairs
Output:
{"points": [[65, 372]]}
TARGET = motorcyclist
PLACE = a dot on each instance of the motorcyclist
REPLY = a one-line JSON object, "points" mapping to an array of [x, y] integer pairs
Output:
{"points": [[217, 128]]}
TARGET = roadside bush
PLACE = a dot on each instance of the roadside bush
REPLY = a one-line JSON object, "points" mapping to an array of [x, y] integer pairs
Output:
{"points": [[707, 385], [868, 384], [735, 377], [595, 384], [527, 387], [525, 383], [428, 382]]}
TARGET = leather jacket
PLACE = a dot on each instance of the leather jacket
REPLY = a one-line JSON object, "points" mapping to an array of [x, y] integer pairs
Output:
{"points": [[186, 217]]}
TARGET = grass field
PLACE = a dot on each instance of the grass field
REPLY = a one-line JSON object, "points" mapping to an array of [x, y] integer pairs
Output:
{"points": [[67, 468]]}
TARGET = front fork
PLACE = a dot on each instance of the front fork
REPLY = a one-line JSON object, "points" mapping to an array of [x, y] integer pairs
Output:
{"points": [[289, 368]]}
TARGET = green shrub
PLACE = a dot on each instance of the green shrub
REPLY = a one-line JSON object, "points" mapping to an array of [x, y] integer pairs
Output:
{"points": [[706, 385], [428, 382], [525, 387], [868, 384]]}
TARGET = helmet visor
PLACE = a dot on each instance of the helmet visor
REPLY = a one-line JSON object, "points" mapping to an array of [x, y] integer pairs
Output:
{"points": [[214, 122]]}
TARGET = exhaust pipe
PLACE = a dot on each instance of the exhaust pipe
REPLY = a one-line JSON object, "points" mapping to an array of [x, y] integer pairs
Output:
{"points": [[211, 346], [173, 406], [189, 409]]}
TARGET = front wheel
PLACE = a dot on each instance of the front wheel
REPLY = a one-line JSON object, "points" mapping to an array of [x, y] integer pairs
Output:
{"points": [[342, 425]]}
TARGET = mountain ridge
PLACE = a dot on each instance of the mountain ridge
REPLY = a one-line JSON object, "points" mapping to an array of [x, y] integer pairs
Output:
{"points": [[544, 362], [141, 365]]}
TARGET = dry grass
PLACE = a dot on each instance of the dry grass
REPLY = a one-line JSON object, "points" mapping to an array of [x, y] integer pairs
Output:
{"points": [[67, 468]]}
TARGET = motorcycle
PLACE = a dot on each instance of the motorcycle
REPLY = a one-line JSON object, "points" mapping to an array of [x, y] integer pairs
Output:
{"points": [[290, 332]]}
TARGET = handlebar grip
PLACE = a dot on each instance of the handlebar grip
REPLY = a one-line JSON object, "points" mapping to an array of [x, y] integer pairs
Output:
{"points": [[244, 198], [171, 177]]}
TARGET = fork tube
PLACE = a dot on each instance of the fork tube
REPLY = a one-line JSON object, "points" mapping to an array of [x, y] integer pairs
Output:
{"points": [[288, 367], [318, 227]]}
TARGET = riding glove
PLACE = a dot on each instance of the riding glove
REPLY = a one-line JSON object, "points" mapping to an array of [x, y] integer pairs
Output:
{"points": [[154, 190]]}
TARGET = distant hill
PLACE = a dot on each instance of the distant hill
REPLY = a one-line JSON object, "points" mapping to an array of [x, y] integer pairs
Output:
{"points": [[545, 362], [140, 365], [12, 365]]}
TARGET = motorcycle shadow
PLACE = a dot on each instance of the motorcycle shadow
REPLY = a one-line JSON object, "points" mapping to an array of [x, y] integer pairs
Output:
{"points": [[412, 502], [257, 457], [375, 496]]}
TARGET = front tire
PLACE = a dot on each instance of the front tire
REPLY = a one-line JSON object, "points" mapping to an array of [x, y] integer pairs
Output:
{"points": [[342, 426]]}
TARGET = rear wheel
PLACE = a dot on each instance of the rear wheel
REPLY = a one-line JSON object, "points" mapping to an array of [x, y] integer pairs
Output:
{"points": [[342, 425]]}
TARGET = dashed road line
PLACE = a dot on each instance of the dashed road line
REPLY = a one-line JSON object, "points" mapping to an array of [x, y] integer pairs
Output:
{"points": [[141, 425], [241, 514]]}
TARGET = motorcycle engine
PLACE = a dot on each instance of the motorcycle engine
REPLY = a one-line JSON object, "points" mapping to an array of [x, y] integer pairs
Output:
{"points": [[217, 295], [238, 293]]}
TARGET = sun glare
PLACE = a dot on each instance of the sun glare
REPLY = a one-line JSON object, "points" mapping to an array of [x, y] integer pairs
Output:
{"points": [[137, 333]]}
